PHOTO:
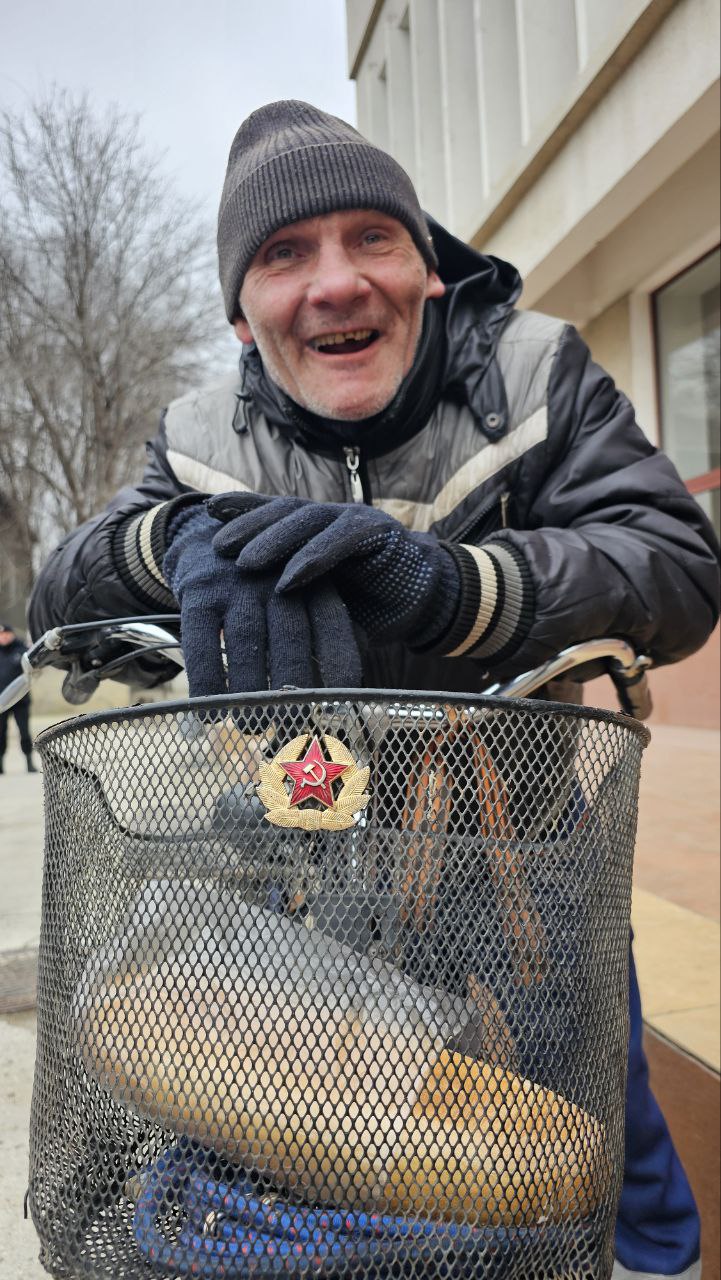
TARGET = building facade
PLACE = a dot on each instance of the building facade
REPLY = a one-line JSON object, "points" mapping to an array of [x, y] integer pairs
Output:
{"points": [[580, 140]]}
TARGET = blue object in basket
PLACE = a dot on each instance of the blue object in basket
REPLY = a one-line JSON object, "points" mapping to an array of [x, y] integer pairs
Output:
{"points": [[228, 1232]]}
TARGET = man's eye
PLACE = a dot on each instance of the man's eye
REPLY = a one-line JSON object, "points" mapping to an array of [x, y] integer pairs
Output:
{"points": [[373, 238], [280, 253]]}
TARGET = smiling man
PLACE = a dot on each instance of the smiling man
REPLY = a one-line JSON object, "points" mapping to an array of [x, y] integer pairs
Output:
{"points": [[335, 306], [404, 457], [456, 483]]}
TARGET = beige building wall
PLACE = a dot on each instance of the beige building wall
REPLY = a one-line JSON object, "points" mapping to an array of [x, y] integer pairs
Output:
{"points": [[609, 337], [580, 140]]}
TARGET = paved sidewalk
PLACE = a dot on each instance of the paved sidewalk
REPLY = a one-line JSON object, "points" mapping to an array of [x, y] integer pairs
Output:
{"points": [[21, 846], [676, 889], [18, 1240]]}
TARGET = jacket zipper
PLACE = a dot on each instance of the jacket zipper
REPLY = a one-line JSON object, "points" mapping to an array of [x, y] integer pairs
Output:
{"points": [[479, 520], [352, 461]]}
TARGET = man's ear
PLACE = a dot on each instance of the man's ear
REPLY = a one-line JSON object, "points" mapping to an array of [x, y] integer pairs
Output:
{"points": [[242, 330], [435, 287]]}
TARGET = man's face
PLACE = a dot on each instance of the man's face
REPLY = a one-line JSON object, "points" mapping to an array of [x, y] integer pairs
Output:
{"points": [[6, 637], [335, 306]]}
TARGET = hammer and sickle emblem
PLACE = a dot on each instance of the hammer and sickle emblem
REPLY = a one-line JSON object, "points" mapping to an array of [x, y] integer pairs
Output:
{"points": [[314, 769], [316, 774]]}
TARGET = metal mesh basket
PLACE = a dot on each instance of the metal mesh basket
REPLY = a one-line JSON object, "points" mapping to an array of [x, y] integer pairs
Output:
{"points": [[335, 986]]}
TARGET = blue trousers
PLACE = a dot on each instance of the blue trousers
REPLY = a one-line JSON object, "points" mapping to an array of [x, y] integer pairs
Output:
{"points": [[658, 1228]]}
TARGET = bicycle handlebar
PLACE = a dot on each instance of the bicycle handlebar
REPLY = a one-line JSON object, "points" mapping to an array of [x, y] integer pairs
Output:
{"points": [[14, 691], [98, 642], [626, 668], [150, 635]]}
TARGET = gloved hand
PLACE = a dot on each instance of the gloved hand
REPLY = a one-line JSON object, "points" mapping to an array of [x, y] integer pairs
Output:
{"points": [[397, 585], [270, 640]]}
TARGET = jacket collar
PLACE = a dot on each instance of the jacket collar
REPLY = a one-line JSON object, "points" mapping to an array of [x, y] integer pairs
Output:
{"points": [[481, 292]]}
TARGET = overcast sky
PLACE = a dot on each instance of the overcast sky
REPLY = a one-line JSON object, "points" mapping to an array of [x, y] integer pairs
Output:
{"points": [[192, 69]]}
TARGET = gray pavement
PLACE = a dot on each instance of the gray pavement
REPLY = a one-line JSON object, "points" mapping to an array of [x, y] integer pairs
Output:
{"points": [[21, 804], [18, 1241]]}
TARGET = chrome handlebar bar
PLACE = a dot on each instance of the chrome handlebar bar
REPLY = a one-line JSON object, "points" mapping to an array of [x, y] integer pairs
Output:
{"points": [[150, 635], [626, 668], [139, 635]]}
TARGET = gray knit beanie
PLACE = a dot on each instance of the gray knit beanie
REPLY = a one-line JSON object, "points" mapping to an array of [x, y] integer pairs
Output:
{"points": [[290, 161]]}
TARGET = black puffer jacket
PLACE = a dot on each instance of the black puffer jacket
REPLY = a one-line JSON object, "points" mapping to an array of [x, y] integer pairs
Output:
{"points": [[506, 440]]}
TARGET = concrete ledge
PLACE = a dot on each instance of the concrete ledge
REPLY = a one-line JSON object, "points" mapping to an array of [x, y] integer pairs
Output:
{"points": [[18, 980], [688, 1094]]}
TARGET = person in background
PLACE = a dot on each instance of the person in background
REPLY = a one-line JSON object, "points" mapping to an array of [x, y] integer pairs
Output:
{"points": [[11, 652], [408, 457]]}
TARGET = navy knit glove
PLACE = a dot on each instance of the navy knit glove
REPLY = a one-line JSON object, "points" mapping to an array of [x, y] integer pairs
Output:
{"points": [[397, 585], [271, 640]]}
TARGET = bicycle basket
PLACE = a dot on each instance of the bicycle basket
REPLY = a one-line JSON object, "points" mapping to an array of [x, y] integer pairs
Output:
{"points": [[319, 993]]}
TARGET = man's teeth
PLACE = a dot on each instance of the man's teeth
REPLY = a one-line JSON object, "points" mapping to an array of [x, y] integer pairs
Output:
{"points": [[333, 339]]}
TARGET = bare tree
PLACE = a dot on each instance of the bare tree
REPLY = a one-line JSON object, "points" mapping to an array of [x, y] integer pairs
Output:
{"points": [[108, 308]]}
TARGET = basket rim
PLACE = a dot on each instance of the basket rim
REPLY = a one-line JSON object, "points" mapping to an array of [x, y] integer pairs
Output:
{"points": [[541, 707]]}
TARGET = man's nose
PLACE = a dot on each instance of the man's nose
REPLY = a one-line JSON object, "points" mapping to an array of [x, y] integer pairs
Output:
{"points": [[336, 281]]}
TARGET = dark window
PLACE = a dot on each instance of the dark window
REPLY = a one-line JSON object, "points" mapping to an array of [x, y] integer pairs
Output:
{"points": [[687, 314]]}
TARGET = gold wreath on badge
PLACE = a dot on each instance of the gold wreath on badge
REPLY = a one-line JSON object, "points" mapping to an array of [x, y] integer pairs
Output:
{"points": [[313, 775]]}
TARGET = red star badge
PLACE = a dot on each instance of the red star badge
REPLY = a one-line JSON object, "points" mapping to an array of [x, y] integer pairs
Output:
{"points": [[313, 776]]}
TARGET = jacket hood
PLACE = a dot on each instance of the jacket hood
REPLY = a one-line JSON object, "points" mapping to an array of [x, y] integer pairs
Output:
{"points": [[481, 292], [459, 337]]}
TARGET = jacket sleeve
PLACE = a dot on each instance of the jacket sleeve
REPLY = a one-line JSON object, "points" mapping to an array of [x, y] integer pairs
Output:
{"points": [[614, 544], [95, 574]]}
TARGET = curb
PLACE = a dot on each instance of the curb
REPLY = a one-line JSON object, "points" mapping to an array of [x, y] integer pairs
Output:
{"points": [[18, 980]]}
